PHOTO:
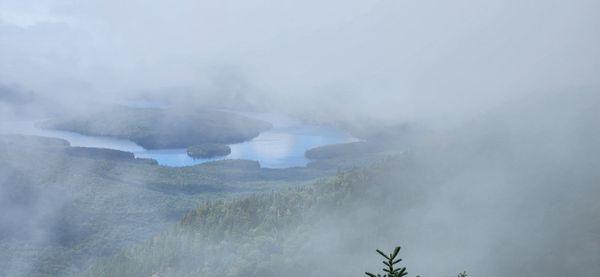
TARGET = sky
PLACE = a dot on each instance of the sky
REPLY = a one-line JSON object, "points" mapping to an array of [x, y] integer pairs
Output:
{"points": [[384, 59]]}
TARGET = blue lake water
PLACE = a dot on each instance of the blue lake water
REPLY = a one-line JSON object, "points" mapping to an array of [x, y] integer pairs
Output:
{"points": [[280, 147]]}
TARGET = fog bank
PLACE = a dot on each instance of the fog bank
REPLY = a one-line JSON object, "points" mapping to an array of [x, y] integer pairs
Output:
{"points": [[383, 59]]}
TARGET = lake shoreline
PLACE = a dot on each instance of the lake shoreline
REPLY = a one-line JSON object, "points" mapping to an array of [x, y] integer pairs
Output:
{"points": [[282, 146]]}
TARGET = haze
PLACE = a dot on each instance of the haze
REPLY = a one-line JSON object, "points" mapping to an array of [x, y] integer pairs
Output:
{"points": [[474, 121]]}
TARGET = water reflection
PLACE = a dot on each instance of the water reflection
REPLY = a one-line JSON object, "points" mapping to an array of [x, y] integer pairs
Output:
{"points": [[282, 146]]}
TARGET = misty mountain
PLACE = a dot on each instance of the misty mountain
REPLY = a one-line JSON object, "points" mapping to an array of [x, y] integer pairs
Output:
{"points": [[293, 138], [63, 207], [510, 185], [156, 128]]}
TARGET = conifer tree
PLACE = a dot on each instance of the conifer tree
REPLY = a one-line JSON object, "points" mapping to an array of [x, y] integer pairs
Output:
{"points": [[390, 262]]}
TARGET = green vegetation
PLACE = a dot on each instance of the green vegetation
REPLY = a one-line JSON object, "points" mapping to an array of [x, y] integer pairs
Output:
{"points": [[323, 229], [348, 155], [337, 150], [155, 128], [21, 140], [208, 150], [105, 154], [267, 234], [233, 218], [340, 150], [60, 146], [390, 261], [67, 206]]}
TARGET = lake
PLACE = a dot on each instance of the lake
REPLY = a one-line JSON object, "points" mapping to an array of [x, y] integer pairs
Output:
{"points": [[280, 147]]}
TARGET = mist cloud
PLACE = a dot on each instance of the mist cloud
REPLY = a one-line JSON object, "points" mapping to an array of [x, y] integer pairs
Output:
{"points": [[394, 58], [517, 176]]}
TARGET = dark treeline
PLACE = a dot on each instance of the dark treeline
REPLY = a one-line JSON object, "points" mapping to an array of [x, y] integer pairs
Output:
{"points": [[493, 190], [157, 128]]}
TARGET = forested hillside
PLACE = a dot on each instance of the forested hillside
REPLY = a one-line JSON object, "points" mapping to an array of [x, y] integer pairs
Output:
{"points": [[270, 138], [63, 206], [263, 234], [484, 198], [157, 128]]}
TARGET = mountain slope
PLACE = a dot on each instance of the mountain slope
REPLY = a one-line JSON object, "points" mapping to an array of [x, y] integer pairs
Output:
{"points": [[511, 193]]}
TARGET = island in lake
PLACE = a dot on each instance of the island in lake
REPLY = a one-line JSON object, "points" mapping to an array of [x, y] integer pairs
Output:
{"points": [[156, 128], [208, 150]]}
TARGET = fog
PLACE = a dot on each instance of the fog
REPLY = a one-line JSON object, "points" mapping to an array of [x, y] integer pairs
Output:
{"points": [[384, 58], [501, 100]]}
